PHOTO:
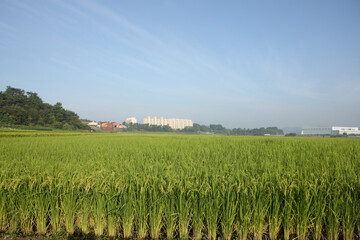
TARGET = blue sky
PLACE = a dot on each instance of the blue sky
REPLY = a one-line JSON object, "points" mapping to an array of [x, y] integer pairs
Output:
{"points": [[237, 63]]}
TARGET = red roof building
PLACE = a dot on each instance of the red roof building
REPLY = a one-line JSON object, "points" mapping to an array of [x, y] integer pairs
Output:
{"points": [[115, 124], [106, 126]]}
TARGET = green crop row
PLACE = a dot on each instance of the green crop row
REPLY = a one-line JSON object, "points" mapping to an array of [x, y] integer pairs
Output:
{"points": [[4, 133], [159, 186]]}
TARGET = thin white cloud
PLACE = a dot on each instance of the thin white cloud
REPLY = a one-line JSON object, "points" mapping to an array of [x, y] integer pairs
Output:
{"points": [[173, 53], [67, 21], [24, 8], [142, 63], [66, 64], [105, 12], [113, 75], [70, 7], [288, 76], [169, 56], [6, 26]]}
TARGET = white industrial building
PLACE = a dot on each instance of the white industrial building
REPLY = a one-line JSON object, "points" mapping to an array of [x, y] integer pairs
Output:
{"points": [[324, 131], [316, 131], [347, 130]]}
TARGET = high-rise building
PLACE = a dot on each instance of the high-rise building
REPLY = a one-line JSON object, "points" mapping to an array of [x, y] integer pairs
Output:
{"points": [[171, 122]]}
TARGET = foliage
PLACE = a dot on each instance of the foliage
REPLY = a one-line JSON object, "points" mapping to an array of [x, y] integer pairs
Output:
{"points": [[171, 186], [257, 131], [146, 127], [18, 107], [219, 129]]}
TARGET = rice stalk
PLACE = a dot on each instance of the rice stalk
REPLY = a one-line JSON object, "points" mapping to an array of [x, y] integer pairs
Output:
{"points": [[213, 203], [26, 211], [275, 215], [69, 209], [99, 212], [156, 212], [41, 208], [183, 205], [141, 212], [127, 211], [260, 204], [198, 213], [112, 214], [229, 209], [171, 215]]}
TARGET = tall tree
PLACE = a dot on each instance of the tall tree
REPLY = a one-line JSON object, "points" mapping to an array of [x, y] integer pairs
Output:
{"points": [[27, 108]]}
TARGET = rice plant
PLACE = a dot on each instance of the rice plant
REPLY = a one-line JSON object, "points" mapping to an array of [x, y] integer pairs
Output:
{"points": [[69, 208], [141, 210], [288, 212], [156, 211], [275, 213], [212, 212], [260, 204], [55, 212], [303, 212], [3, 211], [157, 186], [41, 206], [183, 208], [113, 212], [170, 214], [333, 217], [229, 206], [127, 211], [198, 213], [243, 221], [350, 214], [320, 196], [99, 212]]}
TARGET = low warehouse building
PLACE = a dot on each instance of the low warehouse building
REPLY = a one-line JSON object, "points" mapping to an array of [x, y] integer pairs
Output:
{"points": [[327, 131]]}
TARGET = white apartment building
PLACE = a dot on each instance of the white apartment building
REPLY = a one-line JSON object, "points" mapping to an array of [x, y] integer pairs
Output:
{"points": [[171, 122], [131, 120], [321, 131]]}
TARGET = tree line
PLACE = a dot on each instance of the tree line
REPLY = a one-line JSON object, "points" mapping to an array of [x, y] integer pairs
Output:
{"points": [[138, 127], [219, 129], [204, 129], [20, 108]]}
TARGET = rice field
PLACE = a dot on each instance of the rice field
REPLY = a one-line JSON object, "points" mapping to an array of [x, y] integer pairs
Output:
{"points": [[180, 187]]}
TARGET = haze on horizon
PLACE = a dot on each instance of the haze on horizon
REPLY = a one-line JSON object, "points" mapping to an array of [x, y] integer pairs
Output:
{"points": [[237, 63]]}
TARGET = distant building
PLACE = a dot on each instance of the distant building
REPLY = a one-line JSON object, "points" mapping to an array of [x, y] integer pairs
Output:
{"points": [[347, 130], [171, 122], [316, 131], [324, 131], [131, 120], [93, 124], [115, 124], [106, 126]]}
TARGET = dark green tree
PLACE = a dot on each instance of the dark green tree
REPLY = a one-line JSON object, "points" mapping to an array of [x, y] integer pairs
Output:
{"points": [[18, 107]]}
